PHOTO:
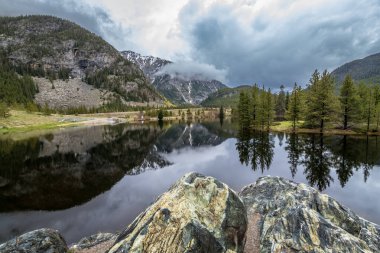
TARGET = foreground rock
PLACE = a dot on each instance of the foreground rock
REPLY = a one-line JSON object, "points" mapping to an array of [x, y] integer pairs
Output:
{"points": [[201, 214], [290, 217], [37, 241], [197, 214], [100, 242]]}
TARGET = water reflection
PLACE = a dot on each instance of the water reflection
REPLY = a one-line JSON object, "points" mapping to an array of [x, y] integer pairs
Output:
{"points": [[100, 178], [316, 153], [59, 171], [255, 148]]}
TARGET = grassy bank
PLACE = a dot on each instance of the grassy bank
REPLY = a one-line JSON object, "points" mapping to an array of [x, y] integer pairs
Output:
{"points": [[286, 127], [21, 121]]}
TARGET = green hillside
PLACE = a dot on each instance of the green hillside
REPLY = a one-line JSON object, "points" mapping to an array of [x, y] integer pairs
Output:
{"points": [[227, 97], [53, 48], [363, 70]]}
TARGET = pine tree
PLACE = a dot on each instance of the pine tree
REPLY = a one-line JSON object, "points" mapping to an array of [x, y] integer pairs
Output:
{"points": [[269, 108], [287, 100], [367, 104], [281, 104], [348, 102], [243, 107], [160, 115], [255, 104], [377, 106], [296, 106], [261, 112], [221, 112], [321, 104], [4, 110]]}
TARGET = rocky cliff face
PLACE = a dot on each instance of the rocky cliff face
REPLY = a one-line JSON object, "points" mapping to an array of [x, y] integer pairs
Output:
{"points": [[178, 89], [150, 65], [201, 214], [54, 48]]}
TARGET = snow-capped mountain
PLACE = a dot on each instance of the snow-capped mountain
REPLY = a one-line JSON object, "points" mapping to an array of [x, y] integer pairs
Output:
{"points": [[148, 64], [175, 88]]}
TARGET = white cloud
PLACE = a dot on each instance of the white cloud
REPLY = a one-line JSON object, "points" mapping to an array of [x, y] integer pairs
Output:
{"points": [[270, 42]]}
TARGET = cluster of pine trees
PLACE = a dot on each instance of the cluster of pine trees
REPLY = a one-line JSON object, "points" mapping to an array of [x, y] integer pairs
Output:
{"points": [[256, 108], [321, 104], [14, 89]]}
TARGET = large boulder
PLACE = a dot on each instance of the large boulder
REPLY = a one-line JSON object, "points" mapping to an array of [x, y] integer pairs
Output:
{"points": [[197, 214], [288, 217], [37, 241]]}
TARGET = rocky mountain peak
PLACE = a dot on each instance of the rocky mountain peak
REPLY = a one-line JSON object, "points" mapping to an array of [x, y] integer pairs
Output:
{"points": [[178, 89], [150, 65]]}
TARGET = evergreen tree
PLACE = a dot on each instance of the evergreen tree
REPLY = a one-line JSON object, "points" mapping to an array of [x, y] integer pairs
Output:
{"points": [[268, 108], [160, 115], [4, 110], [243, 107], [287, 97], [255, 104], [377, 106], [321, 104], [349, 102], [281, 104], [261, 112], [367, 104], [296, 106]]}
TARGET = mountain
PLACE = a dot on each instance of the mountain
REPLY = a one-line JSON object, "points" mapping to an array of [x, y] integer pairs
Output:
{"points": [[71, 65], [174, 87], [225, 97], [150, 65], [366, 70]]}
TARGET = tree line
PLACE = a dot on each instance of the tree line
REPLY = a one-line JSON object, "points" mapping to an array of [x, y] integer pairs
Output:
{"points": [[321, 104]]}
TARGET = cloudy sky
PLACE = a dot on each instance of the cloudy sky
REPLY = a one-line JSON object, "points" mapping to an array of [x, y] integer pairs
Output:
{"points": [[270, 42]]}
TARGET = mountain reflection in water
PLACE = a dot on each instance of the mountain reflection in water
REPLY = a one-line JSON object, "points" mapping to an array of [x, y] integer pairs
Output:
{"points": [[85, 180]]}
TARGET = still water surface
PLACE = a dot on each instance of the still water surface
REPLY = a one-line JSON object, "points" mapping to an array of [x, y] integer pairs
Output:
{"points": [[85, 180]]}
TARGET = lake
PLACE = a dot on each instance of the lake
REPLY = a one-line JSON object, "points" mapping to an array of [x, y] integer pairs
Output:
{"points": [[81, 181]]}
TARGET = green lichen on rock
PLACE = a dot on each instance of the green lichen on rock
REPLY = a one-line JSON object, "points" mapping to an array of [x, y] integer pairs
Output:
{"points": [[298, 218], [197, 214], [37, 241]]}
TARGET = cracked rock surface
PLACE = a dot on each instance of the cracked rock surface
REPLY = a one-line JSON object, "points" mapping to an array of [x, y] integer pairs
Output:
{"points": [[297, 218]]}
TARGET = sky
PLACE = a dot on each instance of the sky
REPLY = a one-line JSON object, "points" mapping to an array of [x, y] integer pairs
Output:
{"points": [[268, 42]]}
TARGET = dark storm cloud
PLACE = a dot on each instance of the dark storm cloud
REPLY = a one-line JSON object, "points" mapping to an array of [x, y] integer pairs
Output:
{"points": [[92, 18], [280, 45]]}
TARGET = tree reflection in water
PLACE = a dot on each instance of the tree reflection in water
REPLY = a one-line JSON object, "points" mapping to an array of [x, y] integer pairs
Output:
{"points": [[255, 148], [317, 154]]}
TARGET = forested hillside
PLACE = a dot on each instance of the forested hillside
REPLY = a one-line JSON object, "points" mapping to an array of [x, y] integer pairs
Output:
{"points": [[366, 70], [53, 48]]}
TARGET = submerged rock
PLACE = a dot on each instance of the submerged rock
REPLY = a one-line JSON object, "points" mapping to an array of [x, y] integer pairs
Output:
{"points": [[287, 217], [197, 214], [37, 241]]}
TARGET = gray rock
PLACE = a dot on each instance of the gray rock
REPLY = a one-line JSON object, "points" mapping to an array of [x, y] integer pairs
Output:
{"points": [[294, 217], [197, 214], [37, 241], [93, 241]]}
